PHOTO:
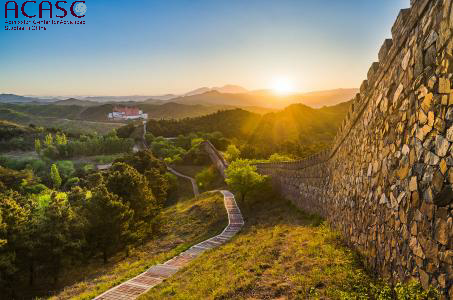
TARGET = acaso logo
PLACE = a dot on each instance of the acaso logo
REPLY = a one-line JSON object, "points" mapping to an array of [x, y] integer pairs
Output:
{"points": [[77, 8]]}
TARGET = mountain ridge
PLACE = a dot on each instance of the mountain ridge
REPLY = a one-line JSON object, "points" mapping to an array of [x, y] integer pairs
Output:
{"points": [[228, 95]]}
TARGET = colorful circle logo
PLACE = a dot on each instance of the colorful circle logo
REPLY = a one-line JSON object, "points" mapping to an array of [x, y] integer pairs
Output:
{"points": [[80, 9]]}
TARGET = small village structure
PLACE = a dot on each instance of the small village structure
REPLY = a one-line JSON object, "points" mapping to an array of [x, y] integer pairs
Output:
{"points": [[127, 113]]}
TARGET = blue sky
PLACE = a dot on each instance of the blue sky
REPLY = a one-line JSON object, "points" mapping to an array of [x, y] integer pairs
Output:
{"points": [[155, 47]]}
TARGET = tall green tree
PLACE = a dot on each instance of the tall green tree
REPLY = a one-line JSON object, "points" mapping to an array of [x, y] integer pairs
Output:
{"points": [[60, 139], [37, 146], [159, 185], [60, 234], [133, 188], [242, 177], [55, 176], [232, 153], [13, 228], [153, 169], [109, 220], [48, 139]]}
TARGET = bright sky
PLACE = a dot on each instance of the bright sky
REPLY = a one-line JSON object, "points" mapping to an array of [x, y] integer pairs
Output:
{"points": [[149, 47]]}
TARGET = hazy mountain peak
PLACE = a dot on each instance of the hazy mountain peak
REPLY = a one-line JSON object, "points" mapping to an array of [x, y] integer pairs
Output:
{"points": [[231, 89], [226, 89]]}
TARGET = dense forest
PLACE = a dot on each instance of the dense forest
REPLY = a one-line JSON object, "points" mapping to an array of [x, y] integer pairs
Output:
{"points": [[47, 226]]}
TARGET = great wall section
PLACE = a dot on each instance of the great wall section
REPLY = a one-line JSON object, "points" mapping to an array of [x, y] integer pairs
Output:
{"points": [[386, 183]]}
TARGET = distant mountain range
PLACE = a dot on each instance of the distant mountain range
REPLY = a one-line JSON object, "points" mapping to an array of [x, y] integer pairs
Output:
{"points": [[12, 98], [269, 99], [228, 95], [226, 89]]}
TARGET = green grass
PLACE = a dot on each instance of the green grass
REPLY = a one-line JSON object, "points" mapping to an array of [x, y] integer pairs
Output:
{"points": [[183, 224], [105, 159], [280, 254], [189, 170]]}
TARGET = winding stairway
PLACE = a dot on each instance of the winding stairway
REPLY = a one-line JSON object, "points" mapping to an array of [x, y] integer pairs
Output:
{"points": [[140, 284]]}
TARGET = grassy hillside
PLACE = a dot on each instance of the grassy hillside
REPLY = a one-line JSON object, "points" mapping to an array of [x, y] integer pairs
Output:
{"points": [[184, 224], [53, 116], [46, 110], [281, 253], [16, 137], [9, 130], [72, 126]]}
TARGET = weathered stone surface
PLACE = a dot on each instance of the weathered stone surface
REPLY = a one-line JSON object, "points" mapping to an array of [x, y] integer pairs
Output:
{"points": [[426, 104], [383, 199], [385, 49], [403, 171], [405, 149], [416, 248], [441, 233], [431, 118], [413, 184], [424, 279], [450, 134], [432, 38], [430, 56], [442, 146], [422, 117], [406, 59], [398, 92], [431, 159], [446, 256], [439, 124], [445, 197], [443, 166], [444, 86], [437, 181]]}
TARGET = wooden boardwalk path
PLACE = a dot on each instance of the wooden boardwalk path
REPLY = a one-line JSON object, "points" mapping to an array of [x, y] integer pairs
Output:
{"points": [[140, 284]]}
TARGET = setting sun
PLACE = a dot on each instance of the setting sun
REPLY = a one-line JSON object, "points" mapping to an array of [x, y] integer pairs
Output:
{"points": [[282, 86]]}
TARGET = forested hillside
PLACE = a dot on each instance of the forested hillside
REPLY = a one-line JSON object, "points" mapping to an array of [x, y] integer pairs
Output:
{"points": [[268, 98], [298, 130]]}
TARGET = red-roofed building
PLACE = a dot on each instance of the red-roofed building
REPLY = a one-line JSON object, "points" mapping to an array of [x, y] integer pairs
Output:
{"points": [[127, 113]]}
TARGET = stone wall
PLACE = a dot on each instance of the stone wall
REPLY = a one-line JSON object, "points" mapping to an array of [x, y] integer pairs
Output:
{"points": [[386, 183], [216, 158]]}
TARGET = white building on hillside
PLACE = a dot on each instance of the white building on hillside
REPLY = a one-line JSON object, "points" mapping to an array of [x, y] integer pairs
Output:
{"points": [[127, 113]]}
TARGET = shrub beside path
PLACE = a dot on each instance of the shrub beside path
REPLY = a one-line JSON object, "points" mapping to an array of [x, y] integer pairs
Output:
{"points": [[140, 284]]}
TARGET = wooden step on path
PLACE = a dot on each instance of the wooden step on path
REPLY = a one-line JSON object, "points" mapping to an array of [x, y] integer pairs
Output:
{"points": [[140, 284]]}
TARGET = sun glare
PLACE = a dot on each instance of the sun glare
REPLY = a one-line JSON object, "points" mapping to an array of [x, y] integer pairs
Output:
{"points": [[282, 86]]}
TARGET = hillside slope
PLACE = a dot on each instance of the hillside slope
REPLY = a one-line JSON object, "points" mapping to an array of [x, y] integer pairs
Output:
{"points": [[281, 253], [298, 129], [183, 224]]}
